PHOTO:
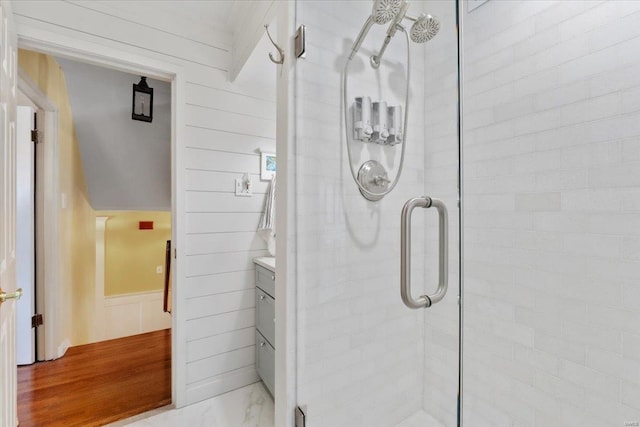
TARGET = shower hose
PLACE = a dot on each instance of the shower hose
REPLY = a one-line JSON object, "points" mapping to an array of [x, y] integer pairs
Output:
{"points": [[345, 73]]}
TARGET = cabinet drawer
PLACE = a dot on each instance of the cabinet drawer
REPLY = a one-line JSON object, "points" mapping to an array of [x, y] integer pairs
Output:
{"points": [[266, 280], [265, 362], [265, 315]]}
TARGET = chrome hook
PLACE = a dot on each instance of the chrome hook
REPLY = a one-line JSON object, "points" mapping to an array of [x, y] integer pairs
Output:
{"points": [[280, 50]]}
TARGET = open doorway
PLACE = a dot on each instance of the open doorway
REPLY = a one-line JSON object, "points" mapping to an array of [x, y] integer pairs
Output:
{"points": [[114, 208]]}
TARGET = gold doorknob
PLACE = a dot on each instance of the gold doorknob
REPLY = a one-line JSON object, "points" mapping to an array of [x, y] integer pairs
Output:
{"points": [[10, 295]]}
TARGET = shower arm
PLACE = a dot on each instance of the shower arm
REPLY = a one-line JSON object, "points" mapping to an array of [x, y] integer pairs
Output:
{"points": [[374, 60], [363, 190]]}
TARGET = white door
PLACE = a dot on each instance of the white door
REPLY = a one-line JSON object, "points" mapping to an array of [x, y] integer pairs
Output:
{"points": [[25, 236], [8, 71]]}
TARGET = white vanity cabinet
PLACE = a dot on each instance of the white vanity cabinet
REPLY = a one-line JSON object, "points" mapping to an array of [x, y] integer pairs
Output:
{"points": [[265, 320]]}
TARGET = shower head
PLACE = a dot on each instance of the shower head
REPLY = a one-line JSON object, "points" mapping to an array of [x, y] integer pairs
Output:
{"points": [[383, 11], [424, 29]]}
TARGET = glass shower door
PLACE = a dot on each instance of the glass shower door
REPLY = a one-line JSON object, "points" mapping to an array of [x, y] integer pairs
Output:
{"points": [[363, 357]]}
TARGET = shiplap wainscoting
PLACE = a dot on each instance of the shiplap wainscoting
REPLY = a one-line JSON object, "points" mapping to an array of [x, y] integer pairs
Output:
{"points": [[225, 125]]}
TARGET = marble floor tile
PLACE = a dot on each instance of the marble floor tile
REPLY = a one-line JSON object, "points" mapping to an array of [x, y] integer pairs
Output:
{"points": [[250, 406]]}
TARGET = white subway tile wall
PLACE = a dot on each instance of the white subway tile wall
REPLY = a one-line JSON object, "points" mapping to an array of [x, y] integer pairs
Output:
{"points": [[552, 214]]}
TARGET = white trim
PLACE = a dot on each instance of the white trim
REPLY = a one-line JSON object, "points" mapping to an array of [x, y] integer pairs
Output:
{"points": [[53, 343], [99, 333], [286, 321], [82, 50], [62, 349]]}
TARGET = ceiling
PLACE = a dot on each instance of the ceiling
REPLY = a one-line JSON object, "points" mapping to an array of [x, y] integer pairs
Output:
{"points": [[214, 13], [127, 163]]}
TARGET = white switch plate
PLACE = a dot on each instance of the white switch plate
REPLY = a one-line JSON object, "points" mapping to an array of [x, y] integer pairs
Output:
{"points": [[159, 269], [241, 192]]}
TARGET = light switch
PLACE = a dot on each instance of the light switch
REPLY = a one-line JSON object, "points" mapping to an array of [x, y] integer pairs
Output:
{"points": [[243, 186], [159, 269]]}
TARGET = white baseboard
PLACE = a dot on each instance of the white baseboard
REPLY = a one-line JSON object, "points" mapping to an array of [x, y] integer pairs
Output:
{"points": [[63, 347], [132, 314]]}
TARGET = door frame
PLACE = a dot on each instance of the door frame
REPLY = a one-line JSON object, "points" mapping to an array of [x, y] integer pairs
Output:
{"points": [[45, 295], [51, 43]]}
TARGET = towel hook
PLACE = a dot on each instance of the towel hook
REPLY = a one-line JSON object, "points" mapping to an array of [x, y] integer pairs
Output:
{"points": [[280, 50]]}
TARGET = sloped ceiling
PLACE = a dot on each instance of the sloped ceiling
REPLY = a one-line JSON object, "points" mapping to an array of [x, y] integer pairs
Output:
{"points": [[127, 163]]}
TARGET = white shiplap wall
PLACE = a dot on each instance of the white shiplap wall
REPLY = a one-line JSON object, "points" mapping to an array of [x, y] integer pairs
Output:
{"points": [[225, 125]]}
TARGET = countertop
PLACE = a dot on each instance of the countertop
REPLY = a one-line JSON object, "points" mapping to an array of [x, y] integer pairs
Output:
{"points": [[268, 262]]}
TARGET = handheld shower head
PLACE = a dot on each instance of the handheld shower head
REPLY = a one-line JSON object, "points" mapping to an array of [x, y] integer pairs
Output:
{"points": [[424, 29], [391, 31], [383, 11]]}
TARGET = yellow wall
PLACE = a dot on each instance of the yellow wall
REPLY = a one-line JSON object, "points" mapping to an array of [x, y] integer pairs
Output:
{"points": [[77, 221], [132, 255]]}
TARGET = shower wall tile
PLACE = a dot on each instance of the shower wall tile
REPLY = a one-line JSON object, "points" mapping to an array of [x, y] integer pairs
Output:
{"points": [[358, 347], [552, 93]]}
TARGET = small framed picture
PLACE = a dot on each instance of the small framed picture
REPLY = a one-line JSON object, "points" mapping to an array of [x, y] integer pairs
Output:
{"points": [[267, 166]]}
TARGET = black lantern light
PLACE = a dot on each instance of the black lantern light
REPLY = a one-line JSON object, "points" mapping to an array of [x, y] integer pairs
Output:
{"points": [[142, 101]]}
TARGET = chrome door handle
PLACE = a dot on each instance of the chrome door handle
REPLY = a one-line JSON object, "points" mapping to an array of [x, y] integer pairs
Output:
{"points": [[423, 301], [10, 295]]}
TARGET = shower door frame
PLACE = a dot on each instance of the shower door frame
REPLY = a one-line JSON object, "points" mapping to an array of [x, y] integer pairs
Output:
{"points": [[460, 40], [286, 387]]}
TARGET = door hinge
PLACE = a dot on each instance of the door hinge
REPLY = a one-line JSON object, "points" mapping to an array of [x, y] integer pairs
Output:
{"points": [[300, 418], [35, 136], [175, 253], [300, 42], [36, 321]]}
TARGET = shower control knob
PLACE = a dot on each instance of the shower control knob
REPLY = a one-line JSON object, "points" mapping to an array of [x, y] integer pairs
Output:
{"points": [[372, 176], [381, 180]]}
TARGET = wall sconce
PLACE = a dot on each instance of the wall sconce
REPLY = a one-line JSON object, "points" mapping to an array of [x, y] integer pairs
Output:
{"points": [[142, 101]]}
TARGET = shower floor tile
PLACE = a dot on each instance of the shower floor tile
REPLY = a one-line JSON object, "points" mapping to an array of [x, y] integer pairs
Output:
{"points": [[420, 419]]}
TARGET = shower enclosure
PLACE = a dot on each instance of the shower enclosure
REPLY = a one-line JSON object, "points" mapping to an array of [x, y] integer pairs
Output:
{"points": [[535, 154]]}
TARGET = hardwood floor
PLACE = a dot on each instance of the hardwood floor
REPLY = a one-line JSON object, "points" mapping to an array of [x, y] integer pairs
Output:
{"points": [[96, 384]]}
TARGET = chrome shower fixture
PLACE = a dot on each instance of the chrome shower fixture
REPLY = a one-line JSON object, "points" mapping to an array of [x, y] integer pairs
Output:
{"points": [[383, 12], [375, 121], [424, 29]]}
